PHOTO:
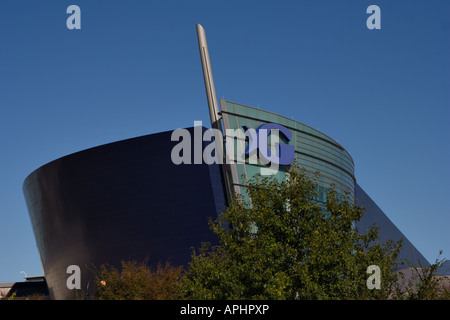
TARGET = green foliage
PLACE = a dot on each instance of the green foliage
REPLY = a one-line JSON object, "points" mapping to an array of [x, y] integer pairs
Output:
{"points": [[136, 281], [422, 283], [12, 296], [285, 245]]}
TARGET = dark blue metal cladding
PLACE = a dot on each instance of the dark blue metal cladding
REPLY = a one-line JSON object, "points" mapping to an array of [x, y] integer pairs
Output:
{"points": [[374, 216], [121, 201]]}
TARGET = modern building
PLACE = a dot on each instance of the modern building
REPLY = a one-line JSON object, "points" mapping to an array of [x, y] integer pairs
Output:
{"points": [[128, 200], [33, 288], [120, 201], [316, 152]]}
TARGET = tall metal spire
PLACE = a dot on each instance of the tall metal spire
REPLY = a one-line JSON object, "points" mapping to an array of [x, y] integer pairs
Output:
{"points": [[214, 113], [208, 77]]}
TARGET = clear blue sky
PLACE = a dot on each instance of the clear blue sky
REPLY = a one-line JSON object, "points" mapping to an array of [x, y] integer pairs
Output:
{"points": [[134, 69]]}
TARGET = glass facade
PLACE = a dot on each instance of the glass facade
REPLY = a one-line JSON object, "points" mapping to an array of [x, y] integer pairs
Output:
{"points": [[314, 151]]}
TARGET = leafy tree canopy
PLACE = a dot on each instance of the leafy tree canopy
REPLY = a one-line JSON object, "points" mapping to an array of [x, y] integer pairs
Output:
{"points": [[285, 244]]}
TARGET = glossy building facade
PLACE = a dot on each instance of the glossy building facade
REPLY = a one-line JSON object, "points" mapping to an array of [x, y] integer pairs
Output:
{"points": [[127, 200], [314, 151], [120, 201], [374, 216]]}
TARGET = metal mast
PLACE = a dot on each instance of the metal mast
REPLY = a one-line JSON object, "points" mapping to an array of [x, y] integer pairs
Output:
{"points": [[215, 116], [209, 82]]}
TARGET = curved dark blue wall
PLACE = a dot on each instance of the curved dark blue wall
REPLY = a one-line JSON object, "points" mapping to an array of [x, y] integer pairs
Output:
{"points": [[121, 201], [374, 216]]}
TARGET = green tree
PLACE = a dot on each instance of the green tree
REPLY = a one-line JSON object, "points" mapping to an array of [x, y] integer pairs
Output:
{"points": [[422, 283], [137, 281], [285, 244]]}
